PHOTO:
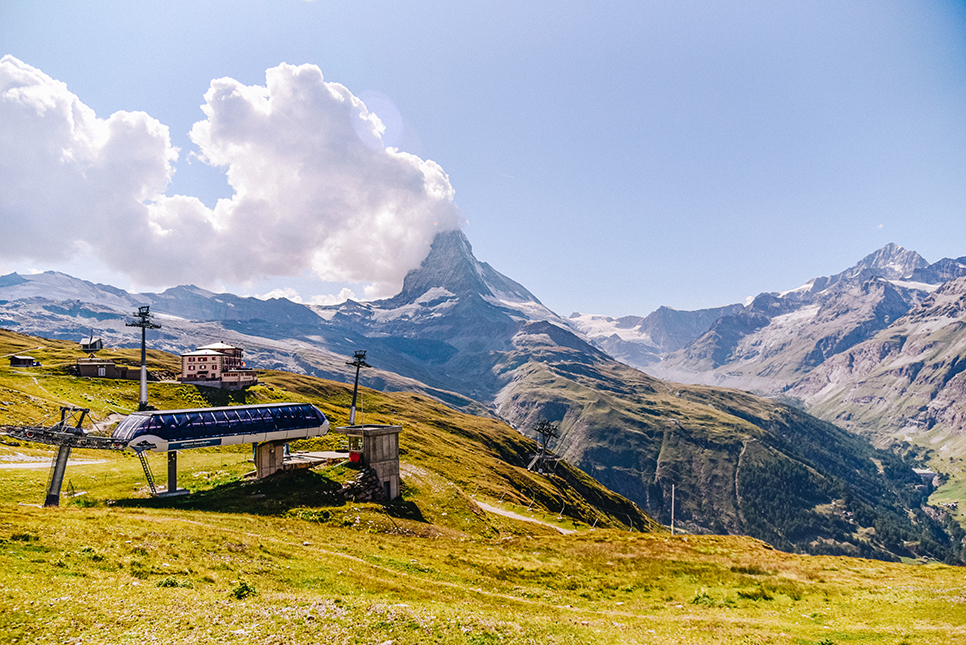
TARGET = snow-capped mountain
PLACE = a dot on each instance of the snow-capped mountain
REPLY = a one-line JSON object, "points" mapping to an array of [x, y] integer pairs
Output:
{"points": [[453, 315], [644, 341], [53, 285], [852, 347], [471, 337], [727, 345], [780, 337], [906, 381], [449, 277], [775, 340], [452, 267], [452, 312], [891, 262]]}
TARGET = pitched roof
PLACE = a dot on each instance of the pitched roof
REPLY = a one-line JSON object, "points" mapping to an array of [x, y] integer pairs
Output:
{"points": [[219, 346]]}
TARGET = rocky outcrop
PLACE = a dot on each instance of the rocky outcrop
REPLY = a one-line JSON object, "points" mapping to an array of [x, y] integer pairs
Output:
{"points": [[779, 338], [366, 487], [907, 379]]}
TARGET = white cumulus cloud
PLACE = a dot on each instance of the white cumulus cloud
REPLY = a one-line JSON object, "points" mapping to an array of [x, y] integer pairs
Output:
{"points": [[67, 177], [314, 185]]}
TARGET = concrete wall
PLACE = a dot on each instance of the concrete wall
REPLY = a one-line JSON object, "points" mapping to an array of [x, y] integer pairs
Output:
{"points": [[380, 451]]}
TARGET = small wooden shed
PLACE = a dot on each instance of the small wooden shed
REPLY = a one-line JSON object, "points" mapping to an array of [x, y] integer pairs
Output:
{"points": [[101, 368], [92, 345]]}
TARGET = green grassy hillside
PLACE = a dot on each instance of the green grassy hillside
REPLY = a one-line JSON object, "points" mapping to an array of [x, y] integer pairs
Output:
{"points": [[478, 455], [736, 463], [136, 574], [286, 560]]}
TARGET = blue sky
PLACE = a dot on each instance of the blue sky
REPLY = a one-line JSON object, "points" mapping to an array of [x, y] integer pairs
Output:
{"points": [[610, 156]]}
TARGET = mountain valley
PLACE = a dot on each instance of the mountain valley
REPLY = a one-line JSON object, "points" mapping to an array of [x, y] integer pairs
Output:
{"points": [[876, 349], [465, 335]]}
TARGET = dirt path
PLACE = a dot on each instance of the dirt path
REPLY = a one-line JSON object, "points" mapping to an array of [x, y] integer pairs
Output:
{"points": [[23, 351], [24, 465], [499, 511]]}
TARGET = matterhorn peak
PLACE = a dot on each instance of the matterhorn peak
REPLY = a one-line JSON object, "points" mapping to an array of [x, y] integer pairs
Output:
{"points": [[450, 265]]}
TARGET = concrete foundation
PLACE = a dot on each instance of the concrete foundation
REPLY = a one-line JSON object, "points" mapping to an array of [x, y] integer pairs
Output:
{"points": [[269, 458]]}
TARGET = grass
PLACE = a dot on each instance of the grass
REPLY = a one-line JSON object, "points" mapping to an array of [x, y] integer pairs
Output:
{"points": [[285, 560], [364, 573], [116, 575]]}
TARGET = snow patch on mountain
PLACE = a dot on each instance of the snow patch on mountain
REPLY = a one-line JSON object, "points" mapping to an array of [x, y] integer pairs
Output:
{"points": [[509, 296], [436, 293], [915, 286], [418, 309], [794, 318], [53, 285], [528, 310], [170, 317], [805, 288], [776, 335], [599, 326]]}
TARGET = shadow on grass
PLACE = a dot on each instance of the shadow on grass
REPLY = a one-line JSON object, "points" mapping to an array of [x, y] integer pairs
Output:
{"points": [[275, 495], [404, 510], [217, 397]]}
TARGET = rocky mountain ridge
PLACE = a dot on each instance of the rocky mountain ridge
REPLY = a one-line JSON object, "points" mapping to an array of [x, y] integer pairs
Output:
{"points": [[467, 335], [908, 379], [643, 341], [792, 345], [668, 331]]}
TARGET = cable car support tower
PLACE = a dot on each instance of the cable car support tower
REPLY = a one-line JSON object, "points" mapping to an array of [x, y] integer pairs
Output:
{"points": [[145, 321]]}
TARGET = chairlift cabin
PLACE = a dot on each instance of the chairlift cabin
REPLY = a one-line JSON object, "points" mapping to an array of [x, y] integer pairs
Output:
{"points": [[269, 426], [167, 430]]}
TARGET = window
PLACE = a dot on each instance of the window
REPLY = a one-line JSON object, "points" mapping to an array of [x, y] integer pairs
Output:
{"points": [[195, 426], [284, 419], [211, 425], [263, 417], [252, 420]]}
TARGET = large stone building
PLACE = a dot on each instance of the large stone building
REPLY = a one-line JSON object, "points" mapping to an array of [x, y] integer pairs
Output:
{"points": [[217, 365]]}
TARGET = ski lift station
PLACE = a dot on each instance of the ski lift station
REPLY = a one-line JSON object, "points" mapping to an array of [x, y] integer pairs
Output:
{"points": [[268, 427]]}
